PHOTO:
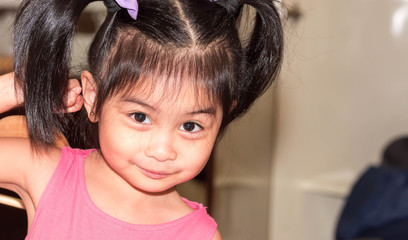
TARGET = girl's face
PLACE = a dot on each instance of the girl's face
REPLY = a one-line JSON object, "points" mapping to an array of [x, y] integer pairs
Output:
{"points": [[154, 140]]}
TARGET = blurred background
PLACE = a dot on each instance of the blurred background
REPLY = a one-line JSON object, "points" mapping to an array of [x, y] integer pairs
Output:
{"points": [[341, 99], [285, 171]]}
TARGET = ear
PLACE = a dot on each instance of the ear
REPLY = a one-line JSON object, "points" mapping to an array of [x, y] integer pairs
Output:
{"points": [[89, 94], [233, 105]]}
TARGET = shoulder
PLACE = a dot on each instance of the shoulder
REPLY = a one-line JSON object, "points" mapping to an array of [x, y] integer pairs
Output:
{"points": [[217, 235], [55, 161], [41, 168], [203, 222]]}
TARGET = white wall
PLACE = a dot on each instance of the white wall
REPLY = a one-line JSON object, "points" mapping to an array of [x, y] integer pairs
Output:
{"points": [[341, 99]]}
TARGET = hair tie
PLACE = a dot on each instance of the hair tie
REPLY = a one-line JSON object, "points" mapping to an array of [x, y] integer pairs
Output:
{"points": [[232, 6], [130, 5]]}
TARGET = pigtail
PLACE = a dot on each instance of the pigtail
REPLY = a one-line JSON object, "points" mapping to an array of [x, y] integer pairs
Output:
{"points": [[43, 32], [262, 53]]}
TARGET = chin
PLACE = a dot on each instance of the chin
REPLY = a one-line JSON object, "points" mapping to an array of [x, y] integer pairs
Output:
{"points": [[152, 189]]}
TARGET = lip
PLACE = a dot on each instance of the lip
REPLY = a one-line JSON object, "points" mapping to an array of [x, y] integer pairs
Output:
{"points": [[154, 174]]}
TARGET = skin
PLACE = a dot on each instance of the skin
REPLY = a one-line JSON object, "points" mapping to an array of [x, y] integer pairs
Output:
{"points": [[148, 146], [21, 170]]}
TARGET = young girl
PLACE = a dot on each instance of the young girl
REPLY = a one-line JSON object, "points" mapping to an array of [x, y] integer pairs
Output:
{"points": [[165, 78]]}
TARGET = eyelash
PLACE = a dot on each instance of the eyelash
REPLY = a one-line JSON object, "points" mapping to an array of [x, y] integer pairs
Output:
{"points": [[141, 118], [195, 125]]}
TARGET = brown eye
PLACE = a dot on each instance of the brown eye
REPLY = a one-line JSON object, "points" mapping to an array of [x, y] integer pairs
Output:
{"points": [[140, 117], [190, 127]]}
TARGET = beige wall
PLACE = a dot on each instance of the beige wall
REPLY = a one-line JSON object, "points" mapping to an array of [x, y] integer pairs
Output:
{"points": [[6, 21], [243, 171], [342, 97], [243, 163]]}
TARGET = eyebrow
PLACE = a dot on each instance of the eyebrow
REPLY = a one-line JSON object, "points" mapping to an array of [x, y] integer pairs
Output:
{"points": [[139, 102], [209, 110]]}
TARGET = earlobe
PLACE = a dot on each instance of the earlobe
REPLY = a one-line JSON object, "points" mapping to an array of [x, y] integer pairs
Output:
{"points": [[89, 94]]}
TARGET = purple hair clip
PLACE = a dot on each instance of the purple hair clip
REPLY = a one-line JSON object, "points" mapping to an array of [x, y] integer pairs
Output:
{"points": [[131, 5]]}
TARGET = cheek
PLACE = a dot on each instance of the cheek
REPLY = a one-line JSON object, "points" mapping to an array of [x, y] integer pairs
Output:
{"points": [[198, 156], [121, 141], [116, 140]]}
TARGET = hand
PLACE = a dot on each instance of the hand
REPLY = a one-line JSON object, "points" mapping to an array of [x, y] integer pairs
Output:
{"points": [[73, 99]]}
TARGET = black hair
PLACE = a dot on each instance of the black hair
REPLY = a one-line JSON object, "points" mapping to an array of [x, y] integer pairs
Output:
{"points": [[186, 40]]}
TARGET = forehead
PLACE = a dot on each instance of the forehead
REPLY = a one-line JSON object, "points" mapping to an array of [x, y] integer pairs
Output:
{"points": [[169, 92]]}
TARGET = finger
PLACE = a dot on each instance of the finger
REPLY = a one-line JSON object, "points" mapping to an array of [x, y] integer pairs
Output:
{"points": [[76, 106], [73, 101], [71, 97], [73, 83]]}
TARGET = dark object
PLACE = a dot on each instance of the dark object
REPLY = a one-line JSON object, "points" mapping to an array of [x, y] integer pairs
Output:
{"points": [[112, 6], [377, 206], [378, 203], [396, 154], [87, 24], [13, 221]]}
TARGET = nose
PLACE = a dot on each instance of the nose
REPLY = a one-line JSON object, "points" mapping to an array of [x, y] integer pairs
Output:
{"points": [[161, 147]]}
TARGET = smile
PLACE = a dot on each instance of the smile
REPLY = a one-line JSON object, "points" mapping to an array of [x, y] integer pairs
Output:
{"points": [[154, 174]]}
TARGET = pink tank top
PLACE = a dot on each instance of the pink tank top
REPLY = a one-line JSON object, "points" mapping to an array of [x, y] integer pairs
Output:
{"points": [[65, 211]]}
